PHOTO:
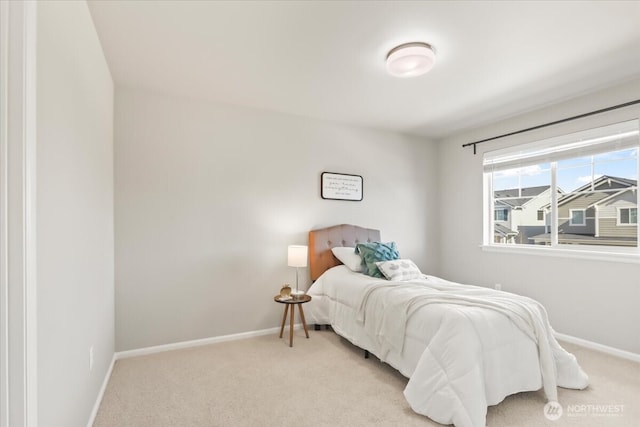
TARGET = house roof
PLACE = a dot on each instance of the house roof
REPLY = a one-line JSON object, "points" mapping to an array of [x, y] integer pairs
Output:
{"points": [[515, 197], [602, 179], [501, 230], [626, 182], [612, 196]]}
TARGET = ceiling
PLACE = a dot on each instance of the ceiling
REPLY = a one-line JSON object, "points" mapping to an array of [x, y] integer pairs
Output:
{"points": [[326, 59]]}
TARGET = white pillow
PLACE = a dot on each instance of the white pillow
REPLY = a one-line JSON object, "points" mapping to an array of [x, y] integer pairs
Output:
{"points": [[399, 269], [348, 257]]}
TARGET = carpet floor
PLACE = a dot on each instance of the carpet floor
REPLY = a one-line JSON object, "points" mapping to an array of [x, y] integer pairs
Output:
{"points": [[325, 381]]}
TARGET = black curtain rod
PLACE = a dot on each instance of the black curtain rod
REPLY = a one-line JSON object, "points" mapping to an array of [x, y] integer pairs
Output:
{"points": [[604, 110]]}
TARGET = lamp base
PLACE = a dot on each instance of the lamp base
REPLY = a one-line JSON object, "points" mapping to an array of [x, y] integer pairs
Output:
{"points": [[297, 294]]}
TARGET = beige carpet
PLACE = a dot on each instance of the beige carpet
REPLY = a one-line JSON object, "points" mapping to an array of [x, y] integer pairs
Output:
{"points": [[325, 381]]}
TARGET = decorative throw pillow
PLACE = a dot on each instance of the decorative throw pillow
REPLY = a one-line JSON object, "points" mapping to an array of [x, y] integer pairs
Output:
{"points": [[374, 252], [349, 257], [399, 269]]}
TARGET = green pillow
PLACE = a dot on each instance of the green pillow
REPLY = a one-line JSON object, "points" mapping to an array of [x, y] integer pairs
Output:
{"points": [[376, 252]]}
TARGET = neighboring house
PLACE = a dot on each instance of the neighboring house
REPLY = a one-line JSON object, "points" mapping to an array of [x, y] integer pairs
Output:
{"points": [[602, 212], [502, 234], [518, 213]]}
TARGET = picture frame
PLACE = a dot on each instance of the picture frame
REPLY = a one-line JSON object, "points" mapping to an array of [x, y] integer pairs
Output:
{"points": [[341, 186]]}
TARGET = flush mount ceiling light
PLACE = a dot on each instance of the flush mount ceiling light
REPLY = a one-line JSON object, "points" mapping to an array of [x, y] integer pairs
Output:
{"points": [[411, 59]]}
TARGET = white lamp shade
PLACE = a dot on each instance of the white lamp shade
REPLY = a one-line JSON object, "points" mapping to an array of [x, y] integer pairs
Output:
{"points": [[410, 59], [297, 256]]}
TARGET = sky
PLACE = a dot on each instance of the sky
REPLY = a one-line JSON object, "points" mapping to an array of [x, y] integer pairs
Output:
{"points": [[572, 173]]}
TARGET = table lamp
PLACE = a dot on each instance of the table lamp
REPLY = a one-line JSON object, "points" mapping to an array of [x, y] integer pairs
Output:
{"points": [[297, 257]]}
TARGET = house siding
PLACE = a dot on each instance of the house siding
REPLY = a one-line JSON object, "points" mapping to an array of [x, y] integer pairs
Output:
{"points": [[608, 216], [588, 229], [587, 199], [609, 228], [609, 209], [581, 202]]}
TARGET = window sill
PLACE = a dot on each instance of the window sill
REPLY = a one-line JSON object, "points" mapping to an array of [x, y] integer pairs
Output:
{"points": [[598, 254]]}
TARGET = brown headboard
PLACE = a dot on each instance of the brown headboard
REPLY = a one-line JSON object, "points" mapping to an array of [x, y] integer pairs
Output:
{"points": [[321, 241]]}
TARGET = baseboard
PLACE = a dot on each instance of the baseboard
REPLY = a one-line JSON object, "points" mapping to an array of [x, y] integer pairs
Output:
{"points": [[196, 343], [96, 405], [599, 347]]}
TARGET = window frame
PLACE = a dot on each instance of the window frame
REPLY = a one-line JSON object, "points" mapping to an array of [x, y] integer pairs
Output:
{"points": [[504, 210], [625, 254], [619, 217], [584, 218]]}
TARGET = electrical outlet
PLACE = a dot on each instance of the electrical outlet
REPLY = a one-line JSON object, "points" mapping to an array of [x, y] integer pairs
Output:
{"points": [[91, 358], [498, 287]]}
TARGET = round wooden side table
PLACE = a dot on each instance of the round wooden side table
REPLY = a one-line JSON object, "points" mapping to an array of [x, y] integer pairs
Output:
{"points": [[293, 303]]}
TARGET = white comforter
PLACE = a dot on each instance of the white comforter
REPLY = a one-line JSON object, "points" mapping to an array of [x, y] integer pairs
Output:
{"points": [[463, 347]]}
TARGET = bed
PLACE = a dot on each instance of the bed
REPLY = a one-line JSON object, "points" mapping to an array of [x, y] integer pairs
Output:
{"points": [[462, 347]]}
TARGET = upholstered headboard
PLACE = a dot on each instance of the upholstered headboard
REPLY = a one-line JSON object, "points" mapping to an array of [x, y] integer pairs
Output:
{"points": [[322, 240]]}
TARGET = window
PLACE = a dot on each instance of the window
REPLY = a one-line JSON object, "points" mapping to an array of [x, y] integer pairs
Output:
{"points": [[577, 217], [501, 215], [576, 190], [627, 216]]}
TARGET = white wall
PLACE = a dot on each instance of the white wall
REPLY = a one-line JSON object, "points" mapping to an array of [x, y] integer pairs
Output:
{"points": [[74, 214], [208, 197], [593, 300]]}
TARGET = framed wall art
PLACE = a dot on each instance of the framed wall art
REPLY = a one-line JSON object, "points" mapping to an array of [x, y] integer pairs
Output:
{"points": [[341, 186]]}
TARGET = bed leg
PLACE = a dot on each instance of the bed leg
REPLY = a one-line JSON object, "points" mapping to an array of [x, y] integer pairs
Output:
{"points": [[366, 354]]}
